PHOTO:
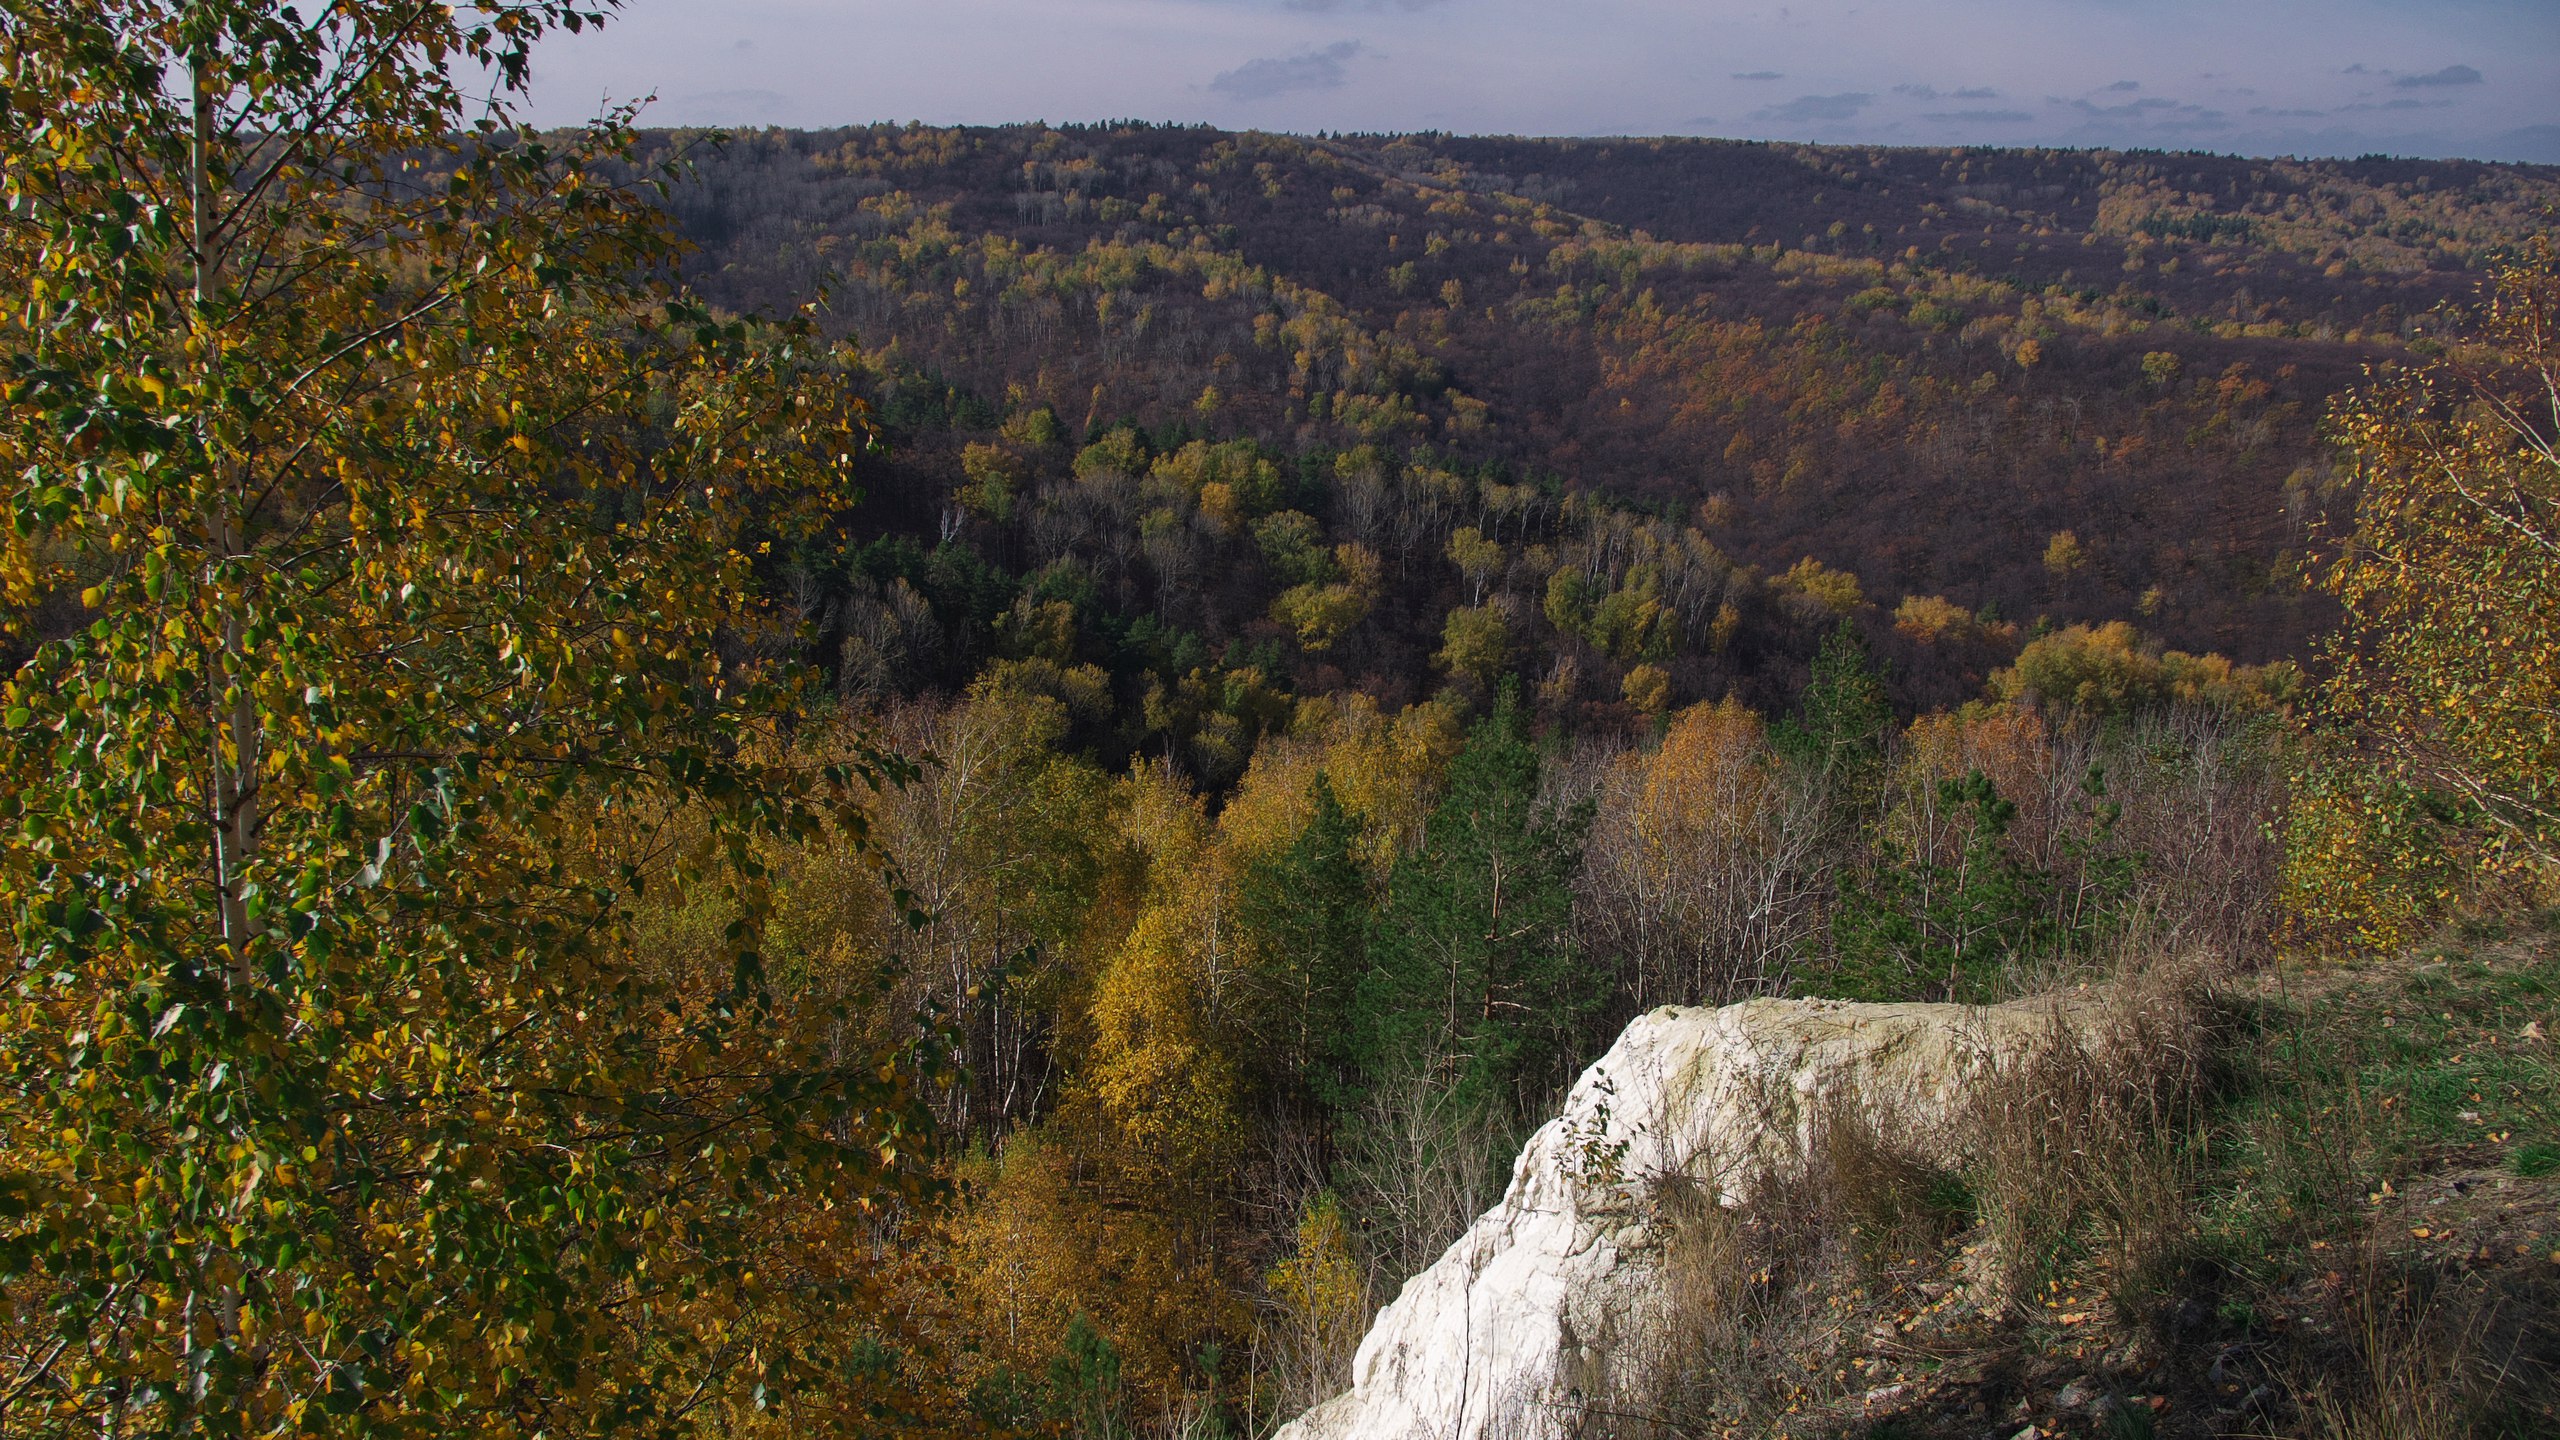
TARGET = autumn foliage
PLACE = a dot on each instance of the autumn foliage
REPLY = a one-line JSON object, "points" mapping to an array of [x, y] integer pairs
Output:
{"points": [[578, 864], [2438, 776]]}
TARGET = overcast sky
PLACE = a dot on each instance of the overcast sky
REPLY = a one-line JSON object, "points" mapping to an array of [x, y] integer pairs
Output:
{"points": [[2477, 78]]}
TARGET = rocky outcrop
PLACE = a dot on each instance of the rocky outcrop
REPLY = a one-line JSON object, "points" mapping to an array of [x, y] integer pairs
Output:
{"points": [[1548, 1293]]}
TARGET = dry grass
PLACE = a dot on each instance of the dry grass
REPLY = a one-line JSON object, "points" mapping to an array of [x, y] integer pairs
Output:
{"points": [[1741, 1326], [1785, 1311], [2379, 1200], [2420, 1354], [2403, 1382], [2204, 1218], [1759, 1305], [2207, 1212], [2088, 1153]]}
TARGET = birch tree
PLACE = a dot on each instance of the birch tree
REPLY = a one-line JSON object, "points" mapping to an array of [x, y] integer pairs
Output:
{"points": [[382, 532]]}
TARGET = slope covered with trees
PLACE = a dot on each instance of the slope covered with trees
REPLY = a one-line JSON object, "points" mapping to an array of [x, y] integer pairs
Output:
{"points": [[1988, 387]]}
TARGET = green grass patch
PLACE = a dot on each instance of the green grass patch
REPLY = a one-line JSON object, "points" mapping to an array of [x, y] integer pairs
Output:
{"points": [[2363, 1076]]}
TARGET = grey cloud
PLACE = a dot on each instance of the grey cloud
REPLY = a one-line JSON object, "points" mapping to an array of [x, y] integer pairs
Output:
{"points": [[2126, 85], [1979, 117], [1978, 92], [1322, 7], [2449, 75], [1818, 107], [2139, 107], [1760, 75], [1917, 92], [1262, 79]]}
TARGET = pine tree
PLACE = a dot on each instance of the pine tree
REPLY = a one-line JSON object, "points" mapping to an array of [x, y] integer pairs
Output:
{"points": [[1305, 913], [1474, 978], [1921, 927], [1842, 722]]}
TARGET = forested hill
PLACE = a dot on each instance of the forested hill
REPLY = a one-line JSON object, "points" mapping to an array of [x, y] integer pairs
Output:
{"points": [[1536, 380]]}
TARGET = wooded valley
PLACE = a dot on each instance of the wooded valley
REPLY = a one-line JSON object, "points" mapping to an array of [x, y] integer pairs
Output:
{"points": [[978, 781]]}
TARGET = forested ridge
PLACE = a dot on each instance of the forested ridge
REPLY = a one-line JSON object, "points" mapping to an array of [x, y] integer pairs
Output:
{"points": [[915, 781], [1916, 368]]}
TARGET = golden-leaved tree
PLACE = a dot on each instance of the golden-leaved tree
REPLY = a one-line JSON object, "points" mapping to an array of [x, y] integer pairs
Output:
{"points": [[1115, 1207], [380, 534], [2443, 768], [1703, 877]]}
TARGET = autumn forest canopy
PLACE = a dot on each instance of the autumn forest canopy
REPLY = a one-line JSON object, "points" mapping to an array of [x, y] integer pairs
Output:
{"points": [[976, 781]]}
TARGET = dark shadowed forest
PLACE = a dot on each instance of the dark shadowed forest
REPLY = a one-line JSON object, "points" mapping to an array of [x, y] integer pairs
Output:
{"points": [[1983, 393]]}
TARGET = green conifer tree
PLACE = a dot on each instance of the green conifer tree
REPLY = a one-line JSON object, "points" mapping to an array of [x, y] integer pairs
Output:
{"points": [[1918, 926], [1842, 723], [1305, 912], [1473, 975], [1930, 929]]}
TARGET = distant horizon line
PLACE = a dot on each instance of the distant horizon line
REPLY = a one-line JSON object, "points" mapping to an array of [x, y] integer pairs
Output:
{"points": [[1131, 123]]}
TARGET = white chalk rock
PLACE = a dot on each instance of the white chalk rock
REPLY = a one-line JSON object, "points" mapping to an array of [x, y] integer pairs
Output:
{"points": [[1527, 1311]]}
